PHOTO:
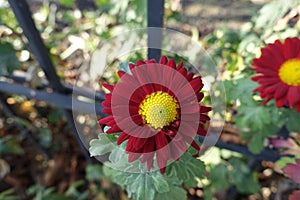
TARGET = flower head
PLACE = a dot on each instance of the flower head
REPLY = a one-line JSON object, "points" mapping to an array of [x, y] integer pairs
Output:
{"points": [[157, 111], [278, 73]]}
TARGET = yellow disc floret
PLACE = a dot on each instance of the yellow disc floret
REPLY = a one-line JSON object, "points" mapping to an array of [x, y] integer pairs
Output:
{"points": [[159, 109], [289, 72]]}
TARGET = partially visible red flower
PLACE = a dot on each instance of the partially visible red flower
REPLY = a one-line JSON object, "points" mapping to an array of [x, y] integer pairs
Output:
{"points": [[156, 108], [278, 73], [295, 195], [288, 146], [292, 171]]}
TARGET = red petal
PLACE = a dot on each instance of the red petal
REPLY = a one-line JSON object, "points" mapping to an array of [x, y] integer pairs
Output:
{"points": [[122, 138], [131, 66], [109, 87], [121, 73], [201, 131], [106, 119], [163, 60], [150, 61], [114, 129], [195, 146], [171, 63], [281, 92], [133, 156], [205, 109], [160, 140], [280, 102], [196, 84], [140, 62], [107, 111], [293, 96]]}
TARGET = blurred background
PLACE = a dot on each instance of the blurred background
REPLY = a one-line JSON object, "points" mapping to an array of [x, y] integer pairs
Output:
{"points": [[39, 155]]}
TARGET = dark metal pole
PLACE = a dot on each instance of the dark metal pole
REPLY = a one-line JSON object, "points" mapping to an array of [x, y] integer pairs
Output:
{"points": [[155, 14], [23, 15]]}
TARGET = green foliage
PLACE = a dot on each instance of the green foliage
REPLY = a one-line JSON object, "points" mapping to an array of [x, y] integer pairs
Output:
{"points": [[100, 146], [147, 185], [187, 168], [39, 192], [273, 11], [10, 145], [55, 115], [74, 193], [8, 195], [45, 137], [292, 122], [243, 178], [93, 172], [68, 3], [8, 58], [235, 172]]}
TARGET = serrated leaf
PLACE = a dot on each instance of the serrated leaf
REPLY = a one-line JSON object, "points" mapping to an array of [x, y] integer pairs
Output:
{"points": [[100, 146], [176, 193], [241, 88], [256, 143], [187, 169], [219, 176], [243, 178], [160, 184], [292, 123]]}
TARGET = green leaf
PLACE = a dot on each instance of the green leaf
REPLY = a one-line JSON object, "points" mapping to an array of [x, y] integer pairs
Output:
{"points": [[160, 184], [187, 169], [45, 137], [293, 120], [256, 143], [8, 195], [283, 161], [8, 59], [273, 11], [176, 193], [10, 146], [100, 146], [67, 3], [240, 89], [243, 178], [219, 176], [93, 172], [55, 115]]}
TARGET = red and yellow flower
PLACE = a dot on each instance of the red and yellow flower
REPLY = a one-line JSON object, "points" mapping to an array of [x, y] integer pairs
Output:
{"points": [[278, 73], [156, 109]]}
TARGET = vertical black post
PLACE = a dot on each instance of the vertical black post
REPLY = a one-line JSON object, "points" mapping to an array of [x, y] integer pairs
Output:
{"points": [[23, 15], [155, 14]]}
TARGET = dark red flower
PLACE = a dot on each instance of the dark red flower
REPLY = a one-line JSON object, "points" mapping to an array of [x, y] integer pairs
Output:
{"points": [[292, 171], [295, 195], [278, 70], [156, 109]]}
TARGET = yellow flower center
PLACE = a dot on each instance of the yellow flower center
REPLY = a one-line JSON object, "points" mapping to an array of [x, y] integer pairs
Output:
{"points": [[159, 109], [289, 72]]}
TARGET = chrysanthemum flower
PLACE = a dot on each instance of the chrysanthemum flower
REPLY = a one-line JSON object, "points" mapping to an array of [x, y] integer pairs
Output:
{"points": [[157, 111], [278, 70]]}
